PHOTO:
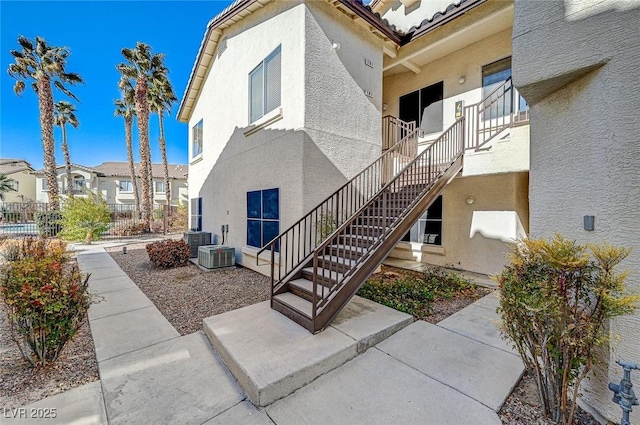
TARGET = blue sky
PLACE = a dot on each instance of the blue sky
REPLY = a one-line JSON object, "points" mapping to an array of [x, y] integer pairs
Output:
{"points": [[96, 32]]}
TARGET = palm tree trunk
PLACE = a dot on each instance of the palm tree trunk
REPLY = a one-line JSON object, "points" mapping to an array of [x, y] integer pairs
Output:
{"points": [[45, 104], [165, 166], [67, 159], [128, 125], [142, 111], [150, 177]]}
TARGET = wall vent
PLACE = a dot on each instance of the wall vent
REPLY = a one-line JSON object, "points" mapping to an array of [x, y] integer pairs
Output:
{"points": [[216, 256]]}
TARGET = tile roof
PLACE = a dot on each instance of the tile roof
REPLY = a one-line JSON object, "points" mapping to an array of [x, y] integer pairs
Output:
{"points": [[14, 165], [121, 169], [439, 18]]}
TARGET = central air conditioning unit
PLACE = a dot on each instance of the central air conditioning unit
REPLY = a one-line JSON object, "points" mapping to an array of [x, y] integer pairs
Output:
{"points": [[216, 256], [195, 239]]}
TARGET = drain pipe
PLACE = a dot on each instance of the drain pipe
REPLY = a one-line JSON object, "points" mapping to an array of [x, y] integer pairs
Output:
{"points": [[623, 394]]}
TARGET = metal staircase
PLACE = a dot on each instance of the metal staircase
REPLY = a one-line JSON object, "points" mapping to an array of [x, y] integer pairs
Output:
{"points": [[318, 264]]}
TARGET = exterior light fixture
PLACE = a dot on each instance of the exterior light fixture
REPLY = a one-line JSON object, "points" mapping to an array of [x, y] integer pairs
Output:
{"points": [[462, 79], [469, 200], [335, 45], [384, 106]]}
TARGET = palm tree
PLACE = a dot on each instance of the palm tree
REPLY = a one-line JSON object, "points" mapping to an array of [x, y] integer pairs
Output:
{"points": [[45, 65], [142, 67], [161, 97], [65, 113], [125, 108], [6, 185]]}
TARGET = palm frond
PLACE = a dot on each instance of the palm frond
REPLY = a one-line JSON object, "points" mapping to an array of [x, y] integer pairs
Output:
{"points": [[25, 43], [64, 90], [19, 87]]}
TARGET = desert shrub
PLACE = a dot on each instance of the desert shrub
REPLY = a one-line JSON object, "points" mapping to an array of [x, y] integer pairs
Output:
{"points": [[85, 218], [48, 223], [556, 299], [179, 220], [121, 215], [156, 227], [158, 213], [412, 294], [169, 253], [47, 299]]}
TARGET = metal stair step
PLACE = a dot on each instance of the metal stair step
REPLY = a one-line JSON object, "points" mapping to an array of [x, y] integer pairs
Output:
{"points": [[307, 286], [344, 247], [331, 275], [295, 302], [338, 260]]}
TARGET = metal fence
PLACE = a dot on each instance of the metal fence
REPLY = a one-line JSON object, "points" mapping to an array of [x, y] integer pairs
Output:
{"points": [[21, 219]]}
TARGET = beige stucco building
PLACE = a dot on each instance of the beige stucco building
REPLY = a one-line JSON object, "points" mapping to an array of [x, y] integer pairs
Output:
{"points": [[24, 182], [585, 143], [112, 181], [342, 67]]}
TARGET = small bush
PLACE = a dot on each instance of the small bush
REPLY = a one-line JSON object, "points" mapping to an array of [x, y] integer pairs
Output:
{"points": [[414, 294], [128, 228], [48, 223], [169, 254], [85, 218], [179, 220], [47, 299], [556, 297]]}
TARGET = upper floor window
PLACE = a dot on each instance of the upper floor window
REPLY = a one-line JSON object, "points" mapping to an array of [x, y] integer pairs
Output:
{"points": [[196, 139], [425, 107], [126, 186], [45, 184], [13, 185], [78, 183], [159, 187], [264, 86]]}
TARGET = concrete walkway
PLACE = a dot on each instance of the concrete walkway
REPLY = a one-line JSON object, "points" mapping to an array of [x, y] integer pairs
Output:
{"points": [[458, 372]]}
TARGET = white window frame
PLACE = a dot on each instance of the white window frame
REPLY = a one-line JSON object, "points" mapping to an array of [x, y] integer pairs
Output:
{"points": [[14, 184], [130, 185], [196, 139], [155, 187], [45, 185], [262, 68]]}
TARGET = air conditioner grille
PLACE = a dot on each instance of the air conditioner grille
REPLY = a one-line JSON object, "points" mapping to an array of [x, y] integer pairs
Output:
{"points": [[216, 256]]}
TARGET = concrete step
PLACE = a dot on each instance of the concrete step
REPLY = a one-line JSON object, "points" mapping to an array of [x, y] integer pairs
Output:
{"points": [[271, 356]]}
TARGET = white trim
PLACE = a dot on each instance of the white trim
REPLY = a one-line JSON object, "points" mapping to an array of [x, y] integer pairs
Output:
{"points": [[268, 119], [252, 251], [421, 247], [197, 159]]}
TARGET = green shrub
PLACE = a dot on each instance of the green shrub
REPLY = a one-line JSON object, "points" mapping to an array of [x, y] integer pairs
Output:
{"points": [[169, 253], [556, 297], [414, 294], [85, 218], [47, 299], [48, 223]]}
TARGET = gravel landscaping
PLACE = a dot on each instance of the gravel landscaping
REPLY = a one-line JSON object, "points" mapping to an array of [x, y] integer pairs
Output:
{"points": [[20, 384], [187, 295]]}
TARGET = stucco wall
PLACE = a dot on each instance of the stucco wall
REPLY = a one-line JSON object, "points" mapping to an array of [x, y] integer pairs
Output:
{"points": [[500, 192], [585, 142], [329, 129], [342, 122], [26, 187], [510, 155]]}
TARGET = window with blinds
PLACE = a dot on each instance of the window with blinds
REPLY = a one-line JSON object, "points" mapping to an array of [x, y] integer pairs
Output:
{"points": [[265, 86]]}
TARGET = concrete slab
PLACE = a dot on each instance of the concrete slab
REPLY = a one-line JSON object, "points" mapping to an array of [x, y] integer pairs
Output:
{"points": [[118, 283], [82, 405], [482, 372], [270, 355], [479, 324], [117, 302], [130, 331], [369, 322], [377, 389], [105, 272], [490, 301], [243, 413], [181, 381]]}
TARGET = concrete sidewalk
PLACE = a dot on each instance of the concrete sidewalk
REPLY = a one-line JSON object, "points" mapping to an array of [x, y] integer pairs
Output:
{"points": [[458, 371]]}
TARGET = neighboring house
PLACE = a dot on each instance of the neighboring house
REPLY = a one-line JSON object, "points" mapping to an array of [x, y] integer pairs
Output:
{"points": [[112, 181], [24, 182], [577, 64], [306, 85]]}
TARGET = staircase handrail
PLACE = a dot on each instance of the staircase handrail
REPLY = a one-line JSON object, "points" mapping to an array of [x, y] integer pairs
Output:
{"points": [[405, 148], [331, 239]]}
